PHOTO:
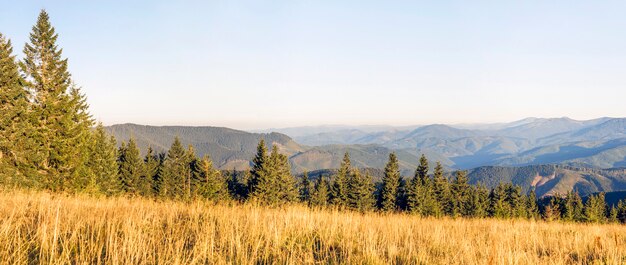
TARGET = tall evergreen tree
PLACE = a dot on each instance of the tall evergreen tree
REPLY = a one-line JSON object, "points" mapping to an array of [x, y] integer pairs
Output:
{"points": [[478, 204], [441, 190], [305, 188], [238, 184], [321, 194], [498, 206], [460, 191], [212, 185], [192, 176], [595, 208], [262, 182], [152, 167], [103, 163], [15, 128], [360, 191], [551, 211], [621, 211], [61, 121], [532, 209], [516, 201], [572, 207], [175, 169], [391, 182], [420, 198], [286, 187], [130, 167], [339, 189]]}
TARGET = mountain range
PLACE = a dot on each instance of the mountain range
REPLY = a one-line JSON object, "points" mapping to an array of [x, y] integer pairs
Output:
{"points": [[504, 149]]}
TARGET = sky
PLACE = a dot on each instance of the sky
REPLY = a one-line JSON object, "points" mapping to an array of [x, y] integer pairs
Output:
{"points": [[262, 64]]}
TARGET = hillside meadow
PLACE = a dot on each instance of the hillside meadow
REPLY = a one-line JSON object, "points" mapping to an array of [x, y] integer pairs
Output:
{"points": [[39, 227]]}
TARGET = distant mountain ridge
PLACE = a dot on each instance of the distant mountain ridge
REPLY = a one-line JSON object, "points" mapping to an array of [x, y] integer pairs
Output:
{"points": [[571, 158], [596, 142]]}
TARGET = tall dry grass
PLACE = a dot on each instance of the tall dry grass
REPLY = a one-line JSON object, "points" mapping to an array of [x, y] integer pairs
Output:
{"points": [[38, 227]]}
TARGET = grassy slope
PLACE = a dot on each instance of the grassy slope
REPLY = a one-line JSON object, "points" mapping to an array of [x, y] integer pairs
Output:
{"points": [[56, 229]]}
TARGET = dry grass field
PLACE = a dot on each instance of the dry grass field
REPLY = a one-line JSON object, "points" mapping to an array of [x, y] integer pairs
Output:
{"points": [[38, 227]]}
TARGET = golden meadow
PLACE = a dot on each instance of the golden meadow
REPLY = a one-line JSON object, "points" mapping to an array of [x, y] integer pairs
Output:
{"points": [[40, 227]]}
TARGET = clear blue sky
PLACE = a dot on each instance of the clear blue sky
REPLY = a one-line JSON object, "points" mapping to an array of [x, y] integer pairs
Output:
{"points": [[261, 64]]}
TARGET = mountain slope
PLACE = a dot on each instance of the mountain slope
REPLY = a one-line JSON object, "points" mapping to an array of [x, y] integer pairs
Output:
{"points": [[552, 179], [227, 147]]}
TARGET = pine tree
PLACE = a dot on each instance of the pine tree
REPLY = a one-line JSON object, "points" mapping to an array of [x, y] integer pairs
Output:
{"points": [[320, 195], [286, 188], [595, 208], [419, 190], [460, 191], [612, 217], [151, 165], [263, 181], [130, 167], [621, 211], [532, 209], [551, 211], [441, 190], [15, 128], [192, 176], [498, 206], [61, 121], [572, 207], [339, 189], [478, 202], [238, 184], [516, 201], [360, 191], [305, 188], [103, 163], [391, 182], [212, 185], [175, 170]]}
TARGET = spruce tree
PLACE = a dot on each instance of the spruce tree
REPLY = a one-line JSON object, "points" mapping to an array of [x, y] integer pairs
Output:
{"points": [[320, 195], [286, 188], [498, 206], [130, 168], [238, 184], [192, 176], [103, 163], [262, 186], [305, 188], [441, 190], [391, 182], [419, 190], [59, 114], [339, 189], [572, 207], [460, 191], [175, 170], [516, 201], [621, 211], [532, 209], [612, 217], [212, 185], [595, 208], [551, 211], [478, 202], [15, 128], [151, 169], [360, 191]]}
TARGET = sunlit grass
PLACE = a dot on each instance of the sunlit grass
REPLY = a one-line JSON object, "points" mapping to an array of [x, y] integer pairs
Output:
{"points": [[37, 227]]}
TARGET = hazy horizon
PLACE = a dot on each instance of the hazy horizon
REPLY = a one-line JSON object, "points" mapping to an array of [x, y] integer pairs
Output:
{"points": [[287, 64], [256, 129]]}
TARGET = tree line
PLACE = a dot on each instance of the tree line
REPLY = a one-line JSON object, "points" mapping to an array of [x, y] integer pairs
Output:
{"points": [[48, 141]]}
